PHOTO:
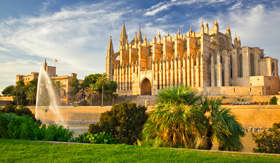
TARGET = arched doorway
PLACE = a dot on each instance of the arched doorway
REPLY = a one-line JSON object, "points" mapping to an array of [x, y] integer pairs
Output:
{"points": [[146, 87]]}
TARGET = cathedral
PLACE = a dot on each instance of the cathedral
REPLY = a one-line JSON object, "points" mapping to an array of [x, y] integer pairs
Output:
{"points": [[209, 61]]}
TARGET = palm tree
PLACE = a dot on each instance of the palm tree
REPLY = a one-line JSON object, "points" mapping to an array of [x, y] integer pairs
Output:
{"points": [[92, 91], [176, 121], [31, 91], [31, 94], [181, 118], [20, 96], [102, 80], [221, 125]]}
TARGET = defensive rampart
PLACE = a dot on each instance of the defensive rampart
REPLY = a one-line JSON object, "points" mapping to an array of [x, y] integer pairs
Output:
{"points": [[254, 118]]}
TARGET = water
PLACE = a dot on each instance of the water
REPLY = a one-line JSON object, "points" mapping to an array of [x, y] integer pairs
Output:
{"points": [[47, 99]]}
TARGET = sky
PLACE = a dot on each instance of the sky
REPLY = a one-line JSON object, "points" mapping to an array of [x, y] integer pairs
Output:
{"points": [[76, 32]]}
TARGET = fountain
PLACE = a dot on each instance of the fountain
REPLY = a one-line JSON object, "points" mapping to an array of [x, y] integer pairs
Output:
{"points": [[47, 99]]}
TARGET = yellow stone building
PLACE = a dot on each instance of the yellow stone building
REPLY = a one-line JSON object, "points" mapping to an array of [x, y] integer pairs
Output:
{"points": [[209, 61], [62, 82]]}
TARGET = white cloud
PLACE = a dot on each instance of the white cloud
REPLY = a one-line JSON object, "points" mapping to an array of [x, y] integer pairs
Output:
{"points": [[77, 36], [237, 5], [3, 49], [257, 27], [161, 6]]}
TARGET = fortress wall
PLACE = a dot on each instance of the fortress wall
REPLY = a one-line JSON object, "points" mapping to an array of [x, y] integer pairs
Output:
{"points": [[258, 116], [6, 100], [234, 90], [229, 99], [253, 118]]}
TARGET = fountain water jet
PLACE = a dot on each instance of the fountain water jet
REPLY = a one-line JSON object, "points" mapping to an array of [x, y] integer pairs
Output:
{"points": [[47, 98]]}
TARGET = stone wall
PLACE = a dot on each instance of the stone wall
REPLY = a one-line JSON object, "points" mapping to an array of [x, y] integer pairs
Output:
{"points": [[233, 99], [234, 90], [6, 100], [253, 118]]}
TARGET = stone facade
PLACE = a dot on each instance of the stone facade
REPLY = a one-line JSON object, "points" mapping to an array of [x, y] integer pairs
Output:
{"points": [[27, 78], [207, 60]]}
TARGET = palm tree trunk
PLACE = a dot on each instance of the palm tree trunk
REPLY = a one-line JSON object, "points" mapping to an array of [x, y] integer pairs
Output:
{"points": [[102, 95], [206, 141]]}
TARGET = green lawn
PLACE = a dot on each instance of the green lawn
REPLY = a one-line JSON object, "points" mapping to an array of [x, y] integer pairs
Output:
{"points": [[30, 151]]}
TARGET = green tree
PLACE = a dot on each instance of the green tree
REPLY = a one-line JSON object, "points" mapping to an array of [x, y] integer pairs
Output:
{"points": [[31, 91], [273, 100], [182, 118], [74, 88], [92, 92], [220, 125], [176, 120], [95, 86], [124, 121], [20, 96], [101, 82], [268, 141], [90, 79], [9, 90], [105, 88]]}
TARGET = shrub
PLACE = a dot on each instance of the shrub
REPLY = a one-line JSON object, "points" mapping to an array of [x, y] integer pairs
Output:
{"points": [[18, 127], [98, 138], [24, 127], [125, 122], [273, 100], [95, 128], [18, 110], [57, 133], [102, 138], [83, 138], [268, 141]]}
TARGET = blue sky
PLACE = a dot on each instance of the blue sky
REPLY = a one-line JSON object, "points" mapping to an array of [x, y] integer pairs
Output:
{"points": [[77, 32]]}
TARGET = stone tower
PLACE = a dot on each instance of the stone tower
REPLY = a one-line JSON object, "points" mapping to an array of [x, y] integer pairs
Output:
{"points": [[109, 57]]}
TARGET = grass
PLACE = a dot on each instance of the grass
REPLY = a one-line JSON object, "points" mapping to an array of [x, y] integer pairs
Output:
{"points": [[32, 151]]}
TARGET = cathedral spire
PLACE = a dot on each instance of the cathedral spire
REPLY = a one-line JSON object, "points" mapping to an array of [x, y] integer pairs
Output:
{"points": [[216, 26], [235, 37], [190, 29], [110, 45], [202, 27], [145, 40], [154, 39], [207, 28], [228, 31], [215, 22], [135, 38], [140, 35], [123, 37], [179, 31]]}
